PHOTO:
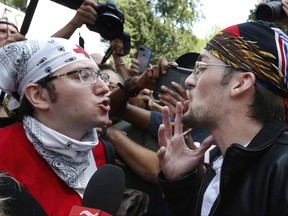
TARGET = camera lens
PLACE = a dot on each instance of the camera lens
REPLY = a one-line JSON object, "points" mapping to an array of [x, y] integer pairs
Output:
{"points": [[110, 20], [109, 26], [269, 11]]}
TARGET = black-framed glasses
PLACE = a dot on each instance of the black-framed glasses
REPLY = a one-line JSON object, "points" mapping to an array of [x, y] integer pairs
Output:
{"points": [[201, 66], [85, 76]]}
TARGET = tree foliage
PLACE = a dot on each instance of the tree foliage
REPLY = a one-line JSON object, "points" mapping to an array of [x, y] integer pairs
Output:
{"points": [[165, 26], [18, 4]]}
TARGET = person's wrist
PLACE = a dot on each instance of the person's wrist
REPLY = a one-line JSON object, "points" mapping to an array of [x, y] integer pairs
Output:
{"points": [[75, 23], [118, 61], [119, 64], [130, 87]]}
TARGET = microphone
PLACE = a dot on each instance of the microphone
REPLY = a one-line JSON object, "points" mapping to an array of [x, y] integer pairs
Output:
{"points": [[103, 194]]}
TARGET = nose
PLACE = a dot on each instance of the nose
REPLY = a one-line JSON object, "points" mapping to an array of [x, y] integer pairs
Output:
{"points": [[101, 86], [190, 80]]}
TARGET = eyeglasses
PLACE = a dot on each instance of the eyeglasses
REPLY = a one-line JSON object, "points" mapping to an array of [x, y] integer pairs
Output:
{"points": [[201, 66], [85, 76]]}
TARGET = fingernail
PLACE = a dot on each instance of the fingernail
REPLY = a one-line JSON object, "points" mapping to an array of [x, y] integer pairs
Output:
{"points": [[163, 87]]}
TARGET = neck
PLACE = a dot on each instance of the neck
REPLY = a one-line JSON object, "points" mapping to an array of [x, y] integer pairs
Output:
{"points": [[235, 131], [72, 130]]}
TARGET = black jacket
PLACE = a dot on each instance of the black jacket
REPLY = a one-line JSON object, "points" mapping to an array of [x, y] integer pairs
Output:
{"points": [[253, 180]]}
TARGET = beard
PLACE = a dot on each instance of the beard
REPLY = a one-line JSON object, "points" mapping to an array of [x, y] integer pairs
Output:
{"points": [[201, 117]]}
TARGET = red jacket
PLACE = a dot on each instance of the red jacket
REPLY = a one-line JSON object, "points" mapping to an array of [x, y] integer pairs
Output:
{"points": [[19, 159]]}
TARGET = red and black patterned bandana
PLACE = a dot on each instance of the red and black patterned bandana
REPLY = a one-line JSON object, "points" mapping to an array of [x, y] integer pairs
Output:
{"points": [[258, 47]]}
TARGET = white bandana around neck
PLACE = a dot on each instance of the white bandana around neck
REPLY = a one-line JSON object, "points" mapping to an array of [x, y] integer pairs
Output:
{"points": [[70, 159]]}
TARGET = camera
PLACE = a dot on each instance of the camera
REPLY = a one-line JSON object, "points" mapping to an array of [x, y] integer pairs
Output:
{"points": [[270, 11], [110, 20]]}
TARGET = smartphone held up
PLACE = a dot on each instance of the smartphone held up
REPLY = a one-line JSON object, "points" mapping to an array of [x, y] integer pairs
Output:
{"points": [[143, 55]]}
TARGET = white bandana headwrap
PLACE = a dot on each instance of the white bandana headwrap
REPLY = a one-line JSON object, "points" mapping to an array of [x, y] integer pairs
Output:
{"points": [[29, 61]]}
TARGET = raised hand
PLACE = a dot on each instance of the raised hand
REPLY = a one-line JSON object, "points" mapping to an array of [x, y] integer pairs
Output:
{"points": [[170, 97], [176, 159], [86, 14], [134, 67], [285, 6], [12, 38]]}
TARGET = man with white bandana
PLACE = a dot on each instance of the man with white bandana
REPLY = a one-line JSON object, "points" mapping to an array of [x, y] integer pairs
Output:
{"points": [[63, 97]]}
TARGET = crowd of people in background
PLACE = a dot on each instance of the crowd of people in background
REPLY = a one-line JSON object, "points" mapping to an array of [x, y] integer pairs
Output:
{"points": [[216, 146]]}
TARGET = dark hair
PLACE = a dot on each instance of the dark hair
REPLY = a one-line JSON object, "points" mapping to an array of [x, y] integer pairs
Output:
{"points": [[26, 108], [106, 67], [110, 67], [227, 76], [8, 187], [267, 106]]}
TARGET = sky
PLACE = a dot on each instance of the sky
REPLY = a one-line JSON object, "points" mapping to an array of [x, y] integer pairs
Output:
{"points": [[223, 13], [49, 17]]}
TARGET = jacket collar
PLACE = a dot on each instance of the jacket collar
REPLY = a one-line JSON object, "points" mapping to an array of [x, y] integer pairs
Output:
{"points": [[237, 158], [268, 135]]}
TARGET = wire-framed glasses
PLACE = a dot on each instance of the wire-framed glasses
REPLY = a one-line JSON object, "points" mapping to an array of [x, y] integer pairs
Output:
{"points": [[85, 76], [201, 66]]}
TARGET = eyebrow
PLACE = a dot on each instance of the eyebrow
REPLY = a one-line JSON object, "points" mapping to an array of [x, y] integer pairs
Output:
{"points": [[86, 68]]}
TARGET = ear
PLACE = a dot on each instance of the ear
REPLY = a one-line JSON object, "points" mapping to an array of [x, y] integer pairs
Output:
{"points": [[242, 82], [37, 96]]}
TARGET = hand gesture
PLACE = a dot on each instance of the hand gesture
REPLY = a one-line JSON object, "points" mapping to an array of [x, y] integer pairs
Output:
{"points": [[170, 97], [176, 159], [141, 100], [149, 78], [285, 6], [134, 67], [12, 38], [117, 47], [86, 14]]}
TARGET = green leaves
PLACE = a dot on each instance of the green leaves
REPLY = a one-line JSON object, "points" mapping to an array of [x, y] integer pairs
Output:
{"points": [[165, 26]]}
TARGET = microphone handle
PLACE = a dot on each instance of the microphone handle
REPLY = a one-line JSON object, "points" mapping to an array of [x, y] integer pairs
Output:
{"points": [[107, 55]]}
